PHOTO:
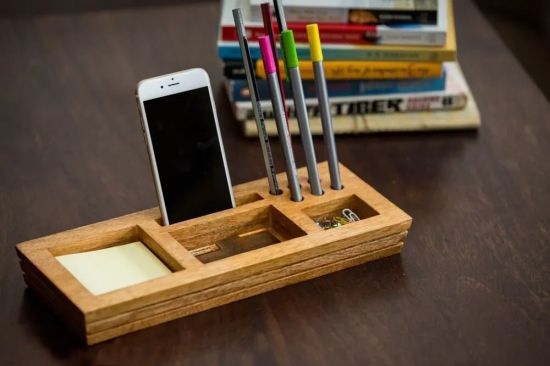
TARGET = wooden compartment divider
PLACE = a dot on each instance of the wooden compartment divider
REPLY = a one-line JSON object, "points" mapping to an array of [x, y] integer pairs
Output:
{"points": [[264, 243]]}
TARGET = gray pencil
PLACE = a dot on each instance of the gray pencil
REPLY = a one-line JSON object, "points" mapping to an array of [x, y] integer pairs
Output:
{"points": [[280, 15], [291, 62], [324, 105], [280, 117], [257, 107]]}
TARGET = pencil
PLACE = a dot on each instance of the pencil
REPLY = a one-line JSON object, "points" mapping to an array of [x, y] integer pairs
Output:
{"points": [[255, 97], [281, 24], [293, 72], [316, 53], [280, 119], [280, 15], [268, 29]]}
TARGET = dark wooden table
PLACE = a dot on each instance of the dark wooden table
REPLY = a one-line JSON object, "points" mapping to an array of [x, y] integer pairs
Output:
{"points": [[472, 285]]}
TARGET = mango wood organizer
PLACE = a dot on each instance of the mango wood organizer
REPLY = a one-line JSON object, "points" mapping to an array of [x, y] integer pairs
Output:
{"points": [[265, 243]]}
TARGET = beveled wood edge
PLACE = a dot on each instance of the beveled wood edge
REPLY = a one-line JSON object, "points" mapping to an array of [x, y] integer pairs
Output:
{"points": [[246, 282], [60, 239], [168, 249], [53, 297], [246, 293], [245, 264], [45, 263]]}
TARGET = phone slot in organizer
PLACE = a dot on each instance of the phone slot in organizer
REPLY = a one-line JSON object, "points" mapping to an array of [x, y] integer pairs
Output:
{"points": [[115, 260], [238, 233], [240, 200]]}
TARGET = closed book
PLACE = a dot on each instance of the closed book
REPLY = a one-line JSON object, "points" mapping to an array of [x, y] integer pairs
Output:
{"points": [[462, 119], [238, 88], [229, 50], [467, 117], [355, 11], [347, 70], [334, 33], [454, 96]]}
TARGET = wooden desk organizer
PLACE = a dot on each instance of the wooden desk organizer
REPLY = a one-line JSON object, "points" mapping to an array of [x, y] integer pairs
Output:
{"points": [[266, 242]]}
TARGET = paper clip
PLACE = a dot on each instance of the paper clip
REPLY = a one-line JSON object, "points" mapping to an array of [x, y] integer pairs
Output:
{"points": [[350, 215], [332, 222], [340, 220]]}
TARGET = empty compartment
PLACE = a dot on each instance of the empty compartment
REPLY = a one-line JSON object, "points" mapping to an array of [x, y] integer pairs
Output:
{"points": [[115, 260], [333, 210], [237, 234]]}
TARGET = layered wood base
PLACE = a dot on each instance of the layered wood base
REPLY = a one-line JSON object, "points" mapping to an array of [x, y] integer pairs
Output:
{"points": [[265, 243]]}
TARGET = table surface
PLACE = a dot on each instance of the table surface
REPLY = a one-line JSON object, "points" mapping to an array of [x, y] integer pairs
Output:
{"points": [[470, 287]]}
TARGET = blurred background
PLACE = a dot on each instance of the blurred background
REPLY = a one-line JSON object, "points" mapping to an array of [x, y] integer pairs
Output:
{"points": [[523, 25]]}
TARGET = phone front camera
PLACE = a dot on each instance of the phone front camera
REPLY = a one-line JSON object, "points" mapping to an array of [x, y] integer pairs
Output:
{"points": [[161, 86]]}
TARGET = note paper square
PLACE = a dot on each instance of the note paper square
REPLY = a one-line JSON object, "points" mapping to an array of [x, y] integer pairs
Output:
{"points": [[105, 270]]}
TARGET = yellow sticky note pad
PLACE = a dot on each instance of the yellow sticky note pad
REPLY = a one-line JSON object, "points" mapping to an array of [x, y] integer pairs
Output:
{"points": [[105, 270]]}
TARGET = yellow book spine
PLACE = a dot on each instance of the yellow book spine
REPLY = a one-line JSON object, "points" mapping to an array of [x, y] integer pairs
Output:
{"points": [[358, 70]]}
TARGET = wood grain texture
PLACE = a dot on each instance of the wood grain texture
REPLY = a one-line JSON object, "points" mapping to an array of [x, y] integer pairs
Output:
{"points": [[193, 286], [282, 277], [470, 287], [244, 293]]}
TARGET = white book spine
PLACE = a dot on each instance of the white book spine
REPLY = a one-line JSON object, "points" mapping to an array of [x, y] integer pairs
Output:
{"points": [[331, 12], [467, 118], [304, 15], [375, 104], [411, 37]]}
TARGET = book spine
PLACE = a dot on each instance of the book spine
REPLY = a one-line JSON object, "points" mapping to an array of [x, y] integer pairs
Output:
{"points": [[234, 70], [317, 15], [330, 33], [349, 70], [369, 105], [361, 70], [392, 17], [356, 16], [349, 34], [239, 88], [411, 38], [232, 52], [362, 16], [355, 124]]}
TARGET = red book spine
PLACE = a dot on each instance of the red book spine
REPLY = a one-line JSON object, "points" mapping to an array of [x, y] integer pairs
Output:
{"points": [[330, 33]]}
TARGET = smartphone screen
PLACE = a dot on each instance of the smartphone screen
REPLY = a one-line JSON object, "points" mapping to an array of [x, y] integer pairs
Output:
{"points": [[188, 154]]}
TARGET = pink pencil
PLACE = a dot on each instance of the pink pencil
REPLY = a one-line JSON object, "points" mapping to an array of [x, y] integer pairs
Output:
{"points": [[280, 118]]}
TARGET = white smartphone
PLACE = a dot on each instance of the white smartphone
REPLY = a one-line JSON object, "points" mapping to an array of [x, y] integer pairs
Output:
{"points": [[184, 143]]}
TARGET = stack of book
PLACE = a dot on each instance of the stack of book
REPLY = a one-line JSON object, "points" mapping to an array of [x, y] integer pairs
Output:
{"points": [[390, 65]]}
